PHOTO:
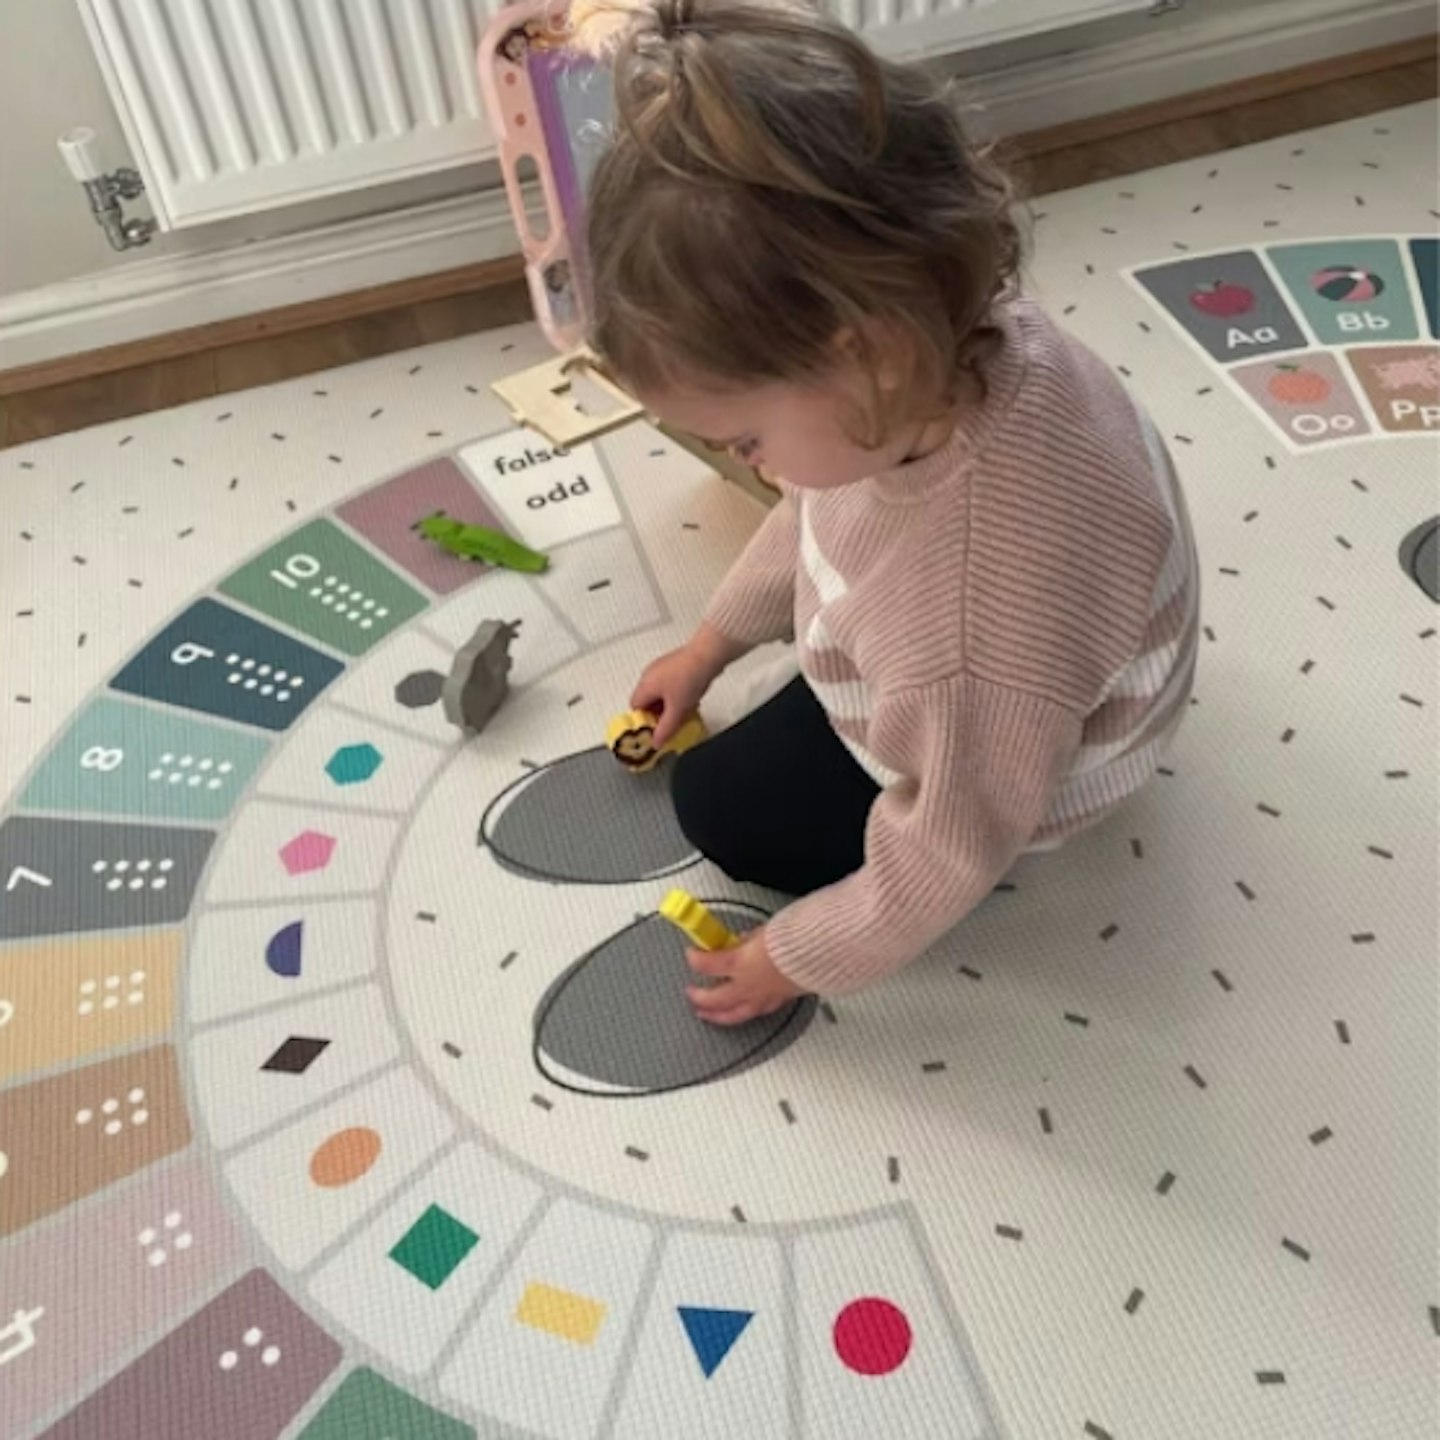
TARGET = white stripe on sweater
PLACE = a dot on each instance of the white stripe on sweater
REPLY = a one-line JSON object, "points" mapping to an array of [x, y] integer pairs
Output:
{"points": [[828, 581], [850, 700], [1087, 794]]}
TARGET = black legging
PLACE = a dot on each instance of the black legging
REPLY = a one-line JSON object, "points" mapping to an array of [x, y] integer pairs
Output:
{"points": [[777, 799]]}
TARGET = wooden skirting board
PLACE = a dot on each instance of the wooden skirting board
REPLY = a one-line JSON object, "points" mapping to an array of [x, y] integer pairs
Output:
{"points": [[508, 271], [1220, 97], [463, 280]]}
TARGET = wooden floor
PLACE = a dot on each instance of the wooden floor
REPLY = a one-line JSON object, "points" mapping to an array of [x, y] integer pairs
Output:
{"points": [[56, 409]]}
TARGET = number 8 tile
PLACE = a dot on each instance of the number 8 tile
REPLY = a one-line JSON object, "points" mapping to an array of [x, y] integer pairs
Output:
{"points": [[119, 758]]}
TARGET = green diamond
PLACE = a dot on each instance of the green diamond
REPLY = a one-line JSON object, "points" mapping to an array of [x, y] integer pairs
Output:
{"points": [[434, 1246]]}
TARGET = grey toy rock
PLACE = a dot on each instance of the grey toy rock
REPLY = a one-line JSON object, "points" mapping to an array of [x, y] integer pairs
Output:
{"points": [[479, 678]]}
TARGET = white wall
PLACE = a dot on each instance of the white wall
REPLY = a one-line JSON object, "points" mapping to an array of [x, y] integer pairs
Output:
{"points": [[49, 83], [62, 290]]}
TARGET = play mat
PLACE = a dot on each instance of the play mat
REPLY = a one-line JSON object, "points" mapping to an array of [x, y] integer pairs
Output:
{"points": [[349, 1090]]}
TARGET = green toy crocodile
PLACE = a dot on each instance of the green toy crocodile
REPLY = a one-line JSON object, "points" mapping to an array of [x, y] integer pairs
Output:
{"points": [[475, 542]]}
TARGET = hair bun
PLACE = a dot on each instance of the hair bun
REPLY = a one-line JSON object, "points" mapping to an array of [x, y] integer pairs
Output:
{"points": [[600, 27]]}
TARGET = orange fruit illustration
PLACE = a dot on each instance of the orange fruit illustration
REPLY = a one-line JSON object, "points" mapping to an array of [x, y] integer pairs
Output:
{"points": [[1293, 385]]}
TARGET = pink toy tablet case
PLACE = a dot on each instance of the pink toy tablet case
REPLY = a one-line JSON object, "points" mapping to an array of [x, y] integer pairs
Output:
{"points": [[550, 109]]}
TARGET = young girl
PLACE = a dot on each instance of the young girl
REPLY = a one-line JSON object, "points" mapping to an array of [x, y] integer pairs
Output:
{"points": [[981, 553]]}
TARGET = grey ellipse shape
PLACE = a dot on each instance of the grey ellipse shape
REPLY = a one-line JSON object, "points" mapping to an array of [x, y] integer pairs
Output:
{"points": [[617, 1023], [586, 820], [1420, 557]]}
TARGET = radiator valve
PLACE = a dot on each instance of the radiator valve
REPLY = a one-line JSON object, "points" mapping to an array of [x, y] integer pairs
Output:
{"points": [[106, 189]]}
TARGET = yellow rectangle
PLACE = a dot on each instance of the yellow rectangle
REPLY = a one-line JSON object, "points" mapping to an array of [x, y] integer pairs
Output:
{"points": [[563, 1313], [73, 996]]}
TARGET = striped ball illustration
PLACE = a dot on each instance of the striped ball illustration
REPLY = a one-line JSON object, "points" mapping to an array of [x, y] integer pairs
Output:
{"points": [[1343, 283]]}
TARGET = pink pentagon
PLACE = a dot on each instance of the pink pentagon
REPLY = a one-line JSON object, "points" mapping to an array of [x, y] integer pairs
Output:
{"points": [[309, 850]]}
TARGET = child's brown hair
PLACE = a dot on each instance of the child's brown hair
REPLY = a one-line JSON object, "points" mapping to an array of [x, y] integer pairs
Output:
{"points": [[771, 185]]}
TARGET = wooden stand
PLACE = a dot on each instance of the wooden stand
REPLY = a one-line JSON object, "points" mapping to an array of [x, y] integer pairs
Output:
{"points": [[545, 398]]}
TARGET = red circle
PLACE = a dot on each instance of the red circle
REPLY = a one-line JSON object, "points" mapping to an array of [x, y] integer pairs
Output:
{"points": [[872, 1337]]}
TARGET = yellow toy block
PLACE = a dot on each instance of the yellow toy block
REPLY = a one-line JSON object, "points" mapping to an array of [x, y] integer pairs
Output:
{"points": [[687, 913], [631, 739]]}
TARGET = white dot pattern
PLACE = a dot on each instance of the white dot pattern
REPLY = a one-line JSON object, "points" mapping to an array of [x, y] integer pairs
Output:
{"points": [[158, 1244], [346, 600], [111, 1106], [194, 772], [143, 864], [252, 1339], [240, 674]]}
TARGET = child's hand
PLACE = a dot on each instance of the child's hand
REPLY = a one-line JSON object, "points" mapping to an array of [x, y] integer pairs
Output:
{"points": [[674, 685], [753, 986]]}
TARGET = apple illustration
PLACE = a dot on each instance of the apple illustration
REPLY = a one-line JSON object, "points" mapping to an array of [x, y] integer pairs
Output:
{"points": [[1294, 385], [1224, 298]]}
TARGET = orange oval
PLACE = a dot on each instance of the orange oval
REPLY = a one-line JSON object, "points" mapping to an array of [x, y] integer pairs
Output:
{"points": [[345, 1157]]}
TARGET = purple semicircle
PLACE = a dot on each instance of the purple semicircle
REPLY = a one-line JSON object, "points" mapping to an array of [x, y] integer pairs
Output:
{"points": [[282, 953]]}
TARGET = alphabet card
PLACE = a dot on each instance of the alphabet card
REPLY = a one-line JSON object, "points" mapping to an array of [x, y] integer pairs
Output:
{"points": [[1316, 322], [1403, 384], [1425, 255], [1306, 394], [1226, 303], [1349, 290], [546, 494]]}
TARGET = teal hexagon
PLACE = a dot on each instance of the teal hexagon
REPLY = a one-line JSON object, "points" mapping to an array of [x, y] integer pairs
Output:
{"points": [[353, 764]]}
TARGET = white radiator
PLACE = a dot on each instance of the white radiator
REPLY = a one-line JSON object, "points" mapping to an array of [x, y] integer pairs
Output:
{"points": [[236, 106]]}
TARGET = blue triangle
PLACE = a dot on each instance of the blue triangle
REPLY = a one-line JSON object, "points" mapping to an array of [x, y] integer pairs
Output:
{"points": [[282, 954], [712, 1333]]}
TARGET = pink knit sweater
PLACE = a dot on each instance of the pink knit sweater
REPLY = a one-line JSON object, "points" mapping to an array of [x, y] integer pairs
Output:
{"points": [[1002, 633]]}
